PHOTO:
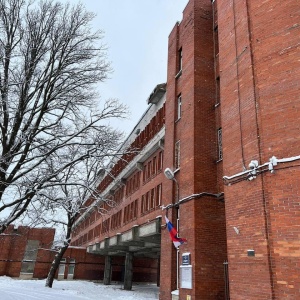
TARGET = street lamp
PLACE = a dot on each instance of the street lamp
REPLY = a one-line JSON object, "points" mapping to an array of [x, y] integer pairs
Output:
{"points": [[170, 175]]}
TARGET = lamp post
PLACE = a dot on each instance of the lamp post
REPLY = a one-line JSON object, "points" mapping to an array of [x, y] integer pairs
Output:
{"points": [[170, 175]]}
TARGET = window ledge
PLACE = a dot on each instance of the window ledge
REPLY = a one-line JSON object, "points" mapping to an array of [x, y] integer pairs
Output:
{"points": [[178, 74]]}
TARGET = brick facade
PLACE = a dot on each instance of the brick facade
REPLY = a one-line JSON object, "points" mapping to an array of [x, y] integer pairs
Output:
{"points": [[202, 220], [13, 244], [13, 258], [232, 97], [259, 67]]}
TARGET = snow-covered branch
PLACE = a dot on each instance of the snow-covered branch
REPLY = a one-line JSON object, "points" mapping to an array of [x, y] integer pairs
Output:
{"points": [[51, 122]]}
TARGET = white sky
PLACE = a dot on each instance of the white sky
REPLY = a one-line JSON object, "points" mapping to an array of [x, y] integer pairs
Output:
{"points": [[136, 33]]}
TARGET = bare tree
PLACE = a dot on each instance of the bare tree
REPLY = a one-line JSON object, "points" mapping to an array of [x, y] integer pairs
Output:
{"points": [[66, 197], [50, 63]]}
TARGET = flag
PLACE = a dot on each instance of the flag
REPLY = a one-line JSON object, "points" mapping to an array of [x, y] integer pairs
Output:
{"points": [[177, 241]]}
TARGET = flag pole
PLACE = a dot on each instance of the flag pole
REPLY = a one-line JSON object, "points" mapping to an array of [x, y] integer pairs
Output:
{"points": [[171, 176]]}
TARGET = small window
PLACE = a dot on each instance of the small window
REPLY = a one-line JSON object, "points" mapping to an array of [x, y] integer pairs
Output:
{"points": [[28, 262], [180, 60], [177, 155], [152, 198], [218, 90], [71, 268], [158, 195], [160, 160], [220, 151], [178, 107], [61, 268]]}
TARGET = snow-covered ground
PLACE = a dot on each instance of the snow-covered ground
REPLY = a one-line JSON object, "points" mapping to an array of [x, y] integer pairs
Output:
{"points": [[15, 289]]}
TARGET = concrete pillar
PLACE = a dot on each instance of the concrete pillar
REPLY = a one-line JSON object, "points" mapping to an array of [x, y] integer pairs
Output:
{"points": [[128, 271], [107, 270], [158, 272]]}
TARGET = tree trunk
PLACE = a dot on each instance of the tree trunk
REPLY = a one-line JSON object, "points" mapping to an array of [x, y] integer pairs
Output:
{"points": [[55, 265]]}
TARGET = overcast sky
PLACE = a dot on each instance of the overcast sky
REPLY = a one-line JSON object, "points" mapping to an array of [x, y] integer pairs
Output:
{"points": [[136, 33]]}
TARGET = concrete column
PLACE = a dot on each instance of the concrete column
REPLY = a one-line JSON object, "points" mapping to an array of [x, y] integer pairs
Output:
{"points": [[107, 270], [158, 272], [128, 271]]}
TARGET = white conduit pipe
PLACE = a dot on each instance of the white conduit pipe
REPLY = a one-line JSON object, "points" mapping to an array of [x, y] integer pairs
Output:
{"points": [[254, 166], [191, 197]]}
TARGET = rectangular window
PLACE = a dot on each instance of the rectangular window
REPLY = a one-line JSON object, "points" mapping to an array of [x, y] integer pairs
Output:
{"points": [[160, 160], [218, 90], [152, 198], [131, 211], [180, 60], [149, 170], [158, 195], [220, 151], [154, 166], [90, 234], [177, 155], [136, 208], [71, 268], [61, 268], [147, 201], [144, 173], [143, 206], [178, 107], [28, 262], [105, 226], [216, 40], [97, 230]]}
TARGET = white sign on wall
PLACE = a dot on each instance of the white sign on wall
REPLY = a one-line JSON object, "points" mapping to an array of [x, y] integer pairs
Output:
{"points": [[186, 276]]}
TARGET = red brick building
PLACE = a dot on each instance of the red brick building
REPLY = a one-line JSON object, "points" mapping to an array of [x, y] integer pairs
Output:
{"points": [[228, 129], [28, 253], [260, 112], [179, 131], [227, 126]]}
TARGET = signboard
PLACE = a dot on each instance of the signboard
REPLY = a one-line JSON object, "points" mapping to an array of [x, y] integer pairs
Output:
{"points": [[186, 276], [186, 258]]}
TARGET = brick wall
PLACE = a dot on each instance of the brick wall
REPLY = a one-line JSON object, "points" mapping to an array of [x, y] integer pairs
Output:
{"points": [[202, 220], [13, 244], [12, 248], [259, 70]]}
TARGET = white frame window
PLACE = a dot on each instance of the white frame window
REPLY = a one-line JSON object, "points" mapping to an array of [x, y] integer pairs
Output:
{"points": [[180, 60], [177, 155], [220, 149], [62, 267], [179, 107]]}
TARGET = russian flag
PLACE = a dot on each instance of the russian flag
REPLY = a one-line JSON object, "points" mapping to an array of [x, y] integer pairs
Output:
{"points": [[173, 234]]}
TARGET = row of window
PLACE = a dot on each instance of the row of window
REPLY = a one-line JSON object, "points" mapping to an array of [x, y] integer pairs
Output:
{"points": [[70, 266], [118, 195], [130, 212], [150, 169], [145, 136], [178, 111], [116, 220], [133, 183], [153, 167], [219, 145], [150, 201]]}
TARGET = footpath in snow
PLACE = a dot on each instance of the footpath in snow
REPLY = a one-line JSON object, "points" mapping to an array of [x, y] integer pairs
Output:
{"points": [[16, 289]]}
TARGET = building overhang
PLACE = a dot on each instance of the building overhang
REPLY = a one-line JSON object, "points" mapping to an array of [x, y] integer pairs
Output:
{"points": [[157, 93], [137, 163], [143, 240]]}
